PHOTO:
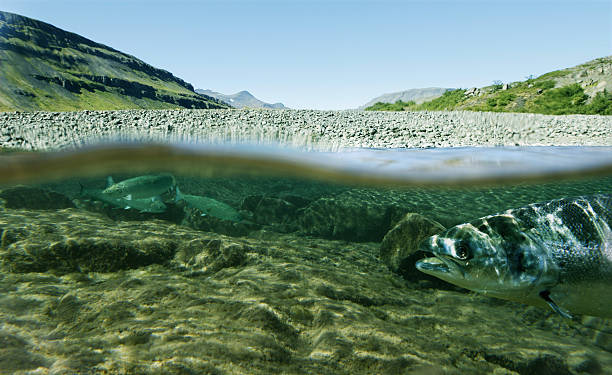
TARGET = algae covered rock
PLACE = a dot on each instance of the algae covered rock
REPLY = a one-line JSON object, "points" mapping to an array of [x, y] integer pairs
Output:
{"points": [[71, 240], [355, 215], [403, 240], [193, 218], [33, 198], [269, 210]]}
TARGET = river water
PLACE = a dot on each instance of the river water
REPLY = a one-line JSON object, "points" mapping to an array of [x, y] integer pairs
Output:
{"points": [[249, 259]]}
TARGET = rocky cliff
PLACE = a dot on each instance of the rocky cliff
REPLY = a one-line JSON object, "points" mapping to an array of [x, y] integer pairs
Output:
{"points": [[47, 68]]}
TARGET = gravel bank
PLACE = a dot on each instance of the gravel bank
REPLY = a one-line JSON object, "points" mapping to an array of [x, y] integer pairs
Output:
{"points": [[303, 128]]}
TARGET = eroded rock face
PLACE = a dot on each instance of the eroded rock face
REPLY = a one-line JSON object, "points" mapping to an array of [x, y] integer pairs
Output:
{"points": [[34, 198], [403, 240], [72, 240], [356, 215]]}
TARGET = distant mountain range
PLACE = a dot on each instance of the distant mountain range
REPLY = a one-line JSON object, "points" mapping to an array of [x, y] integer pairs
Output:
{"points": [[415, 95], [47, 68], [242, 99]]}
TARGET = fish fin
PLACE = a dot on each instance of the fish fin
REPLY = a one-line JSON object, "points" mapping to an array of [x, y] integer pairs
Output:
{"points": [[545, 295], [178, 196], [127, 207], [128, 197], [109, 181]]}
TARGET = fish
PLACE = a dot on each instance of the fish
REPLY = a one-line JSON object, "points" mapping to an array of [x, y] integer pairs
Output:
{"points": [[140, 187], [556, 254], [208, 206], [144, 205]]}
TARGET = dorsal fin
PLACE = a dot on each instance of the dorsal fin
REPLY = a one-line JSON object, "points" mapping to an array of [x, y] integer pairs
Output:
{"points": [[109, 181]]}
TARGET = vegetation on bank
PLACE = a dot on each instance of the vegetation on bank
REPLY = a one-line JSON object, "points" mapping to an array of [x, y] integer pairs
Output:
{"points": [[565, 100], [561, 92]]}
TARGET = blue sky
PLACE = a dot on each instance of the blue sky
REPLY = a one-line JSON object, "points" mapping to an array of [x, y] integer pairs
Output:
{"points": [[338, 54]]}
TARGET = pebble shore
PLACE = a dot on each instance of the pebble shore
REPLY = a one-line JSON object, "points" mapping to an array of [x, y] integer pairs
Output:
{"points": [[329, 130]]}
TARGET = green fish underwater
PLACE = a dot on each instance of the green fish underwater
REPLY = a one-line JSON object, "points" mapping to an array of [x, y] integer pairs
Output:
{"points": [[140, 187], [151, 204], [557, 253], [208, 206]]}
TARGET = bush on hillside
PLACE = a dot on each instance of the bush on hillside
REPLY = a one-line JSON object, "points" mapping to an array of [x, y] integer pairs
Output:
{"points": [[562, 101], [397, 106], [449, 100], [601, 104]]}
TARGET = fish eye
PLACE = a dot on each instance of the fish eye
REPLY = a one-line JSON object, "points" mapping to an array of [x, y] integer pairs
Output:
{"points": [[462, 251]]}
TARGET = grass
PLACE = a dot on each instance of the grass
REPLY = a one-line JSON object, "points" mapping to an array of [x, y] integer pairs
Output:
{"points": [[35, 51], [530, 96]]}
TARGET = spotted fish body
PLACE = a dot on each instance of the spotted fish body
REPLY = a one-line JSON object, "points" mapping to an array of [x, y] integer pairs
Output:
{"points": [[557, 253]]}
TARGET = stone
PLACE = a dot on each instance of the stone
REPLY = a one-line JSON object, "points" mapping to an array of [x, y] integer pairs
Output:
{"points": [[33, 198], [268, 210], [356, 215], [403, 240]]}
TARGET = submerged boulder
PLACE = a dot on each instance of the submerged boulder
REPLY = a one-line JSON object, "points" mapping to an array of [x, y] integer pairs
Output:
{"points": [[359, 215], [33, 198], [73, 240], [403, 240], [269, 210]]}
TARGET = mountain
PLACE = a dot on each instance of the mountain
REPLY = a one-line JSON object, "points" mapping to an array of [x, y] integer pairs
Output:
{"points": [[242, 99], [414, 95], [582, 89], [47, 68]]}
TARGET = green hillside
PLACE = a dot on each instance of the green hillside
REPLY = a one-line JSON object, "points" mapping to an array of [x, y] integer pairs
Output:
{"points": [[46, 68], [583, 89]]}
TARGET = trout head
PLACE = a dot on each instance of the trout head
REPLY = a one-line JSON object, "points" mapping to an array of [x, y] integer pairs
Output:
{"points": [[492, 255]]}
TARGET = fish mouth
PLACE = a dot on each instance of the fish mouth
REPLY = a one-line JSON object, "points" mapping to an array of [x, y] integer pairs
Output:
{"points": [[442, 266], [433, 266]]}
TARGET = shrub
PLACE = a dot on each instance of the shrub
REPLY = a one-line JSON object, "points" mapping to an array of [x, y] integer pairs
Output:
{"points": [[545, 85], [397, 106], [448, 100], [562, 101], [601, 104]]}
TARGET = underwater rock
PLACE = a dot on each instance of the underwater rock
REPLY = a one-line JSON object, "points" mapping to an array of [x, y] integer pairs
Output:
{"points": [[355, 215], [71, 240], [33, 198], [193, 218], [78, 241], [210, 256], [403, 240], [269, 210]]}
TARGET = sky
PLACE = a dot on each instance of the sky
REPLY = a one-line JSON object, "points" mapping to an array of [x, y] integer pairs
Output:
{"points": [[339, 54]]}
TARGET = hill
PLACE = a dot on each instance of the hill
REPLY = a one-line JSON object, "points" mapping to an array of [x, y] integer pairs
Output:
{"points": [[583, 89], [416, 95], [242, 99], [47, 68]]}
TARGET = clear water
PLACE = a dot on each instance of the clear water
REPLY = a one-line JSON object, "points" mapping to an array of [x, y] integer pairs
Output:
{"points": [[275, 265]]}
